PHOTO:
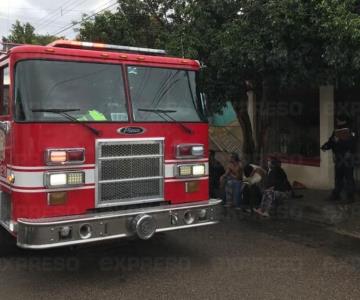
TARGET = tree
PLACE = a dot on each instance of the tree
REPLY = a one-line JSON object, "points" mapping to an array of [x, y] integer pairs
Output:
{"points": [[25, 34], [136, 23], [263, 45], [183, 28], [280, 44]]}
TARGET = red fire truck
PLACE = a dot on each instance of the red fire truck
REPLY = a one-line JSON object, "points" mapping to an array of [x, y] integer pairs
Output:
{"points": [[100, 142]]}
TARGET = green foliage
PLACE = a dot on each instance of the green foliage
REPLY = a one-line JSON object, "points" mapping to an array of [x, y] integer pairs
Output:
{"points": [[285, 43], [184, 28], [264, 45], [136, 23], [292, 43], [25, 34]]}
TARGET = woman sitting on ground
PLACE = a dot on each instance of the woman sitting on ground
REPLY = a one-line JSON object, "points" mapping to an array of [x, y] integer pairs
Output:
{"points": [[277, 187]]}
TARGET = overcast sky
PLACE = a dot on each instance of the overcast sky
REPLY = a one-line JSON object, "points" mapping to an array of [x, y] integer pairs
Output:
{"points": [[48, 16]]}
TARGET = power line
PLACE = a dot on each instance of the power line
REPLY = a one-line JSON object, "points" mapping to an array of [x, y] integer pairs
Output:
{"points": [[62, 14], [41, 9], [86, 18], [49, 16], [19, 18], [66, 7], [72, 7]]}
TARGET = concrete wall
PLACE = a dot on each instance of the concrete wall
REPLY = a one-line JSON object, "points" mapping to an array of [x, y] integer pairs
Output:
{"points": [[322, 177], [311, 177]]}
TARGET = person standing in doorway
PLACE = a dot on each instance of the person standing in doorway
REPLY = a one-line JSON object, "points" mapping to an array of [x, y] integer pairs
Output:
{"points": [[343, 144]]}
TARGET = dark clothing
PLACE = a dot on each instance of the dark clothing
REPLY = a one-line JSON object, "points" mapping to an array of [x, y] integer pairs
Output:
{"points": [[344, 148], [233, 192], [277, 179], [252, 195], [270, 197], [344, 174], [215, 172], [277, 188]]}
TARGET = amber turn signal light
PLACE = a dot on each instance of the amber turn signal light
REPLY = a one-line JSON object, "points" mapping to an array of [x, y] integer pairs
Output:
{"points": [[64, 156]]}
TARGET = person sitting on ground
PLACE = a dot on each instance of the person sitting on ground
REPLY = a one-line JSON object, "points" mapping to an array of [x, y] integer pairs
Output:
{"points": [[277, 188], [231, 180], [253, 180]]}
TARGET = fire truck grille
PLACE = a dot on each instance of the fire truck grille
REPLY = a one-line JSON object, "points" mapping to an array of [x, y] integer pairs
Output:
{"points": [[129, 172], [130, 149], [133, 189], [130, 168]]}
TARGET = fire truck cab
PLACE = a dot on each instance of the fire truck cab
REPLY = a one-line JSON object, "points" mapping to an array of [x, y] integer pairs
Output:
{"points": [[100, 142]]}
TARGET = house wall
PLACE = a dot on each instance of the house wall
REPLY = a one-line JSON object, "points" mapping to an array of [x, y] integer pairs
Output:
{"points": [[323, 176]]}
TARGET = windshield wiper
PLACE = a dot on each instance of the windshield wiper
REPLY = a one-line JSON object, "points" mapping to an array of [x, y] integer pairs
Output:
{"points": [[166, 112], [64, 112]]}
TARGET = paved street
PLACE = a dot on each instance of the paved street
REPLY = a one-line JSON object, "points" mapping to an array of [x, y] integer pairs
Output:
{"points": [[238, 259]]}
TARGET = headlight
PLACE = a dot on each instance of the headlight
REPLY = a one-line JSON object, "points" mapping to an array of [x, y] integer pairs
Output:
{"points": [[57, 179], [185, 170], [191, 170], [198, 170], [75, 178], [66, 179]]}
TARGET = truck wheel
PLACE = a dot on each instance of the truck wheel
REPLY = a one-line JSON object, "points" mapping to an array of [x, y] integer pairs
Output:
{"points": [[7, 242]]}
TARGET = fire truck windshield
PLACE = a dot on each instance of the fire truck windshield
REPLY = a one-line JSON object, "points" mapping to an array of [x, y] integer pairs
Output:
{"points": [[163, 90], [95, 90]]}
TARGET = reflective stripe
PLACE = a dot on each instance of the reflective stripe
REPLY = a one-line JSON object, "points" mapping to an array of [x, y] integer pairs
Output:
{"points": [[186, 179], [34, 178], [37, 168]]}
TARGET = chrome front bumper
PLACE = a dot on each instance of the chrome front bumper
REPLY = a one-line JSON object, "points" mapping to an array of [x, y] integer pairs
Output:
{"points": [[48, 233]]}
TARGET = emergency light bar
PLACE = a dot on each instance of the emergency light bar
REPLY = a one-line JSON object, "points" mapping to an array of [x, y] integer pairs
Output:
{"points": [[99, 46]]}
